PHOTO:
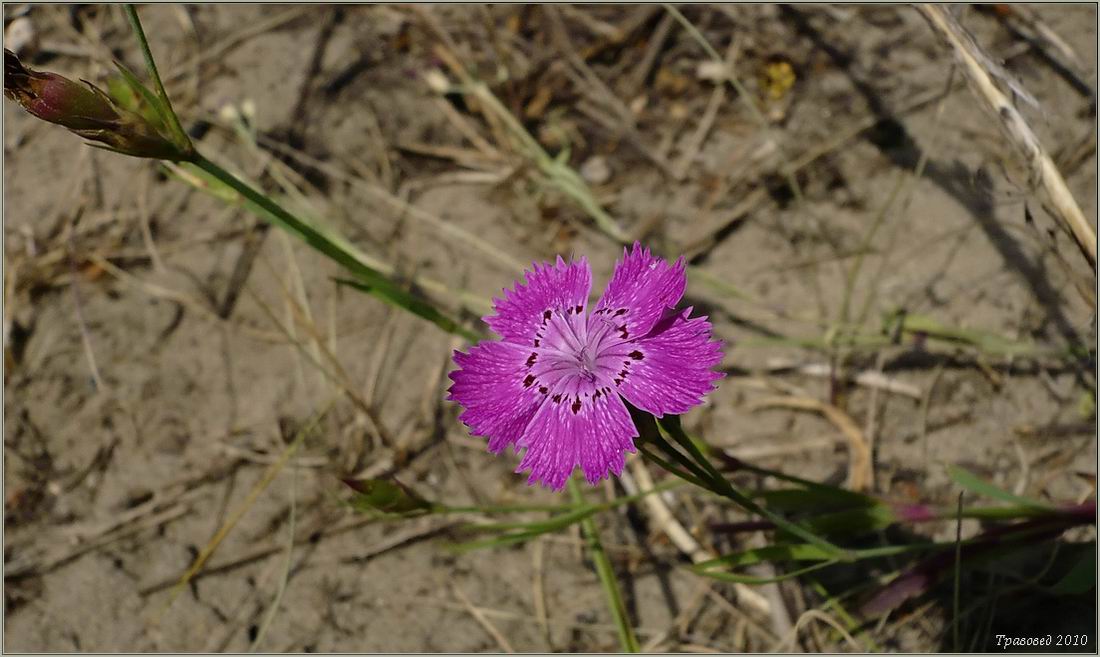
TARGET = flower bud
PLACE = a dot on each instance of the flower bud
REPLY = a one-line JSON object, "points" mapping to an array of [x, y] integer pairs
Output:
{"points": [[86, 111]]}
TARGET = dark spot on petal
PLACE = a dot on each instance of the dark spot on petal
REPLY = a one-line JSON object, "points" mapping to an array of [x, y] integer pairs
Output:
{"points": [[620, 311], [576, 406], [623, 374], [624, 331], [543, 389], [531, 359], [636, 355], [557, 398], [536, 342], [546, 317], [596, 395], [529, 381], [578, 309], [618, 382]]}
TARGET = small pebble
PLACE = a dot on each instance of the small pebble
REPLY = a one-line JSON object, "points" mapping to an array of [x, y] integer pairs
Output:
{"points": [[595, 170]]}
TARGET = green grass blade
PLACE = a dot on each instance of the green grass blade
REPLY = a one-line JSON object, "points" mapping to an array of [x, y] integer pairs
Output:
{"points": [[384, 289], [554, 523], [224, 185], [386, 496], [143, 101], [1081, 577], [164, 104], [668, 466], [769, 553], [817, 499], [627, 640], [753, 580], [531, 529], [671, 424], [979, 486]]}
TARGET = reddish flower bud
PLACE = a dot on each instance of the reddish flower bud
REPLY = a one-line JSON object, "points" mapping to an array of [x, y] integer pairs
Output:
{"points": [[86, 111]]}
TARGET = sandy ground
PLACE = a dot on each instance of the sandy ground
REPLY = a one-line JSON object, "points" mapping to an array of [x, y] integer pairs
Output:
{"points": [[144, 399]]}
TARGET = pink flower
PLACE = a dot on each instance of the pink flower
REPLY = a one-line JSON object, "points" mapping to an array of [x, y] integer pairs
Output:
{"points": [[556, 381]]}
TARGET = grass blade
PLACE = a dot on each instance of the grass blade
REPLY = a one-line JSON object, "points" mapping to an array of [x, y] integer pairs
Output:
{"points": [[224, 185], [253, 495], [979, 486], [163, 104], [384, 289], [671, 424], [627, 640]]}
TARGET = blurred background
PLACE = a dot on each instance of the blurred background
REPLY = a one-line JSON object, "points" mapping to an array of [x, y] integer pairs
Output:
{"points": [[859, 228]]}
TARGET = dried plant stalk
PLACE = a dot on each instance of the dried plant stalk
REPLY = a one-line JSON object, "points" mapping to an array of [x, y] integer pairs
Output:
{"points": [[978, 69]]}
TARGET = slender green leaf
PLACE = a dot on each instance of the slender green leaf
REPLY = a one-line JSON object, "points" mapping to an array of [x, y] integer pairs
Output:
{"points": [[554, 523], [670, 424], [163, 104], [769, 553], [853, 522], [983, 340], [532, 528], [1081, 577], [229, 188], [818, 499], [389, 292], [146, 103], [753, 580], [979, 486], [386, 496], [627, 640]]}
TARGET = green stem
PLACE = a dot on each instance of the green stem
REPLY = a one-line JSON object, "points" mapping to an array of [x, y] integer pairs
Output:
{"points": [[958, 575], [285, 220], [671, 468], [179, 135], [610, 585], [720, 485]]}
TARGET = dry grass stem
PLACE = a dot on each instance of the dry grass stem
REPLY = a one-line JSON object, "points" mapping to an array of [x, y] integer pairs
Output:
{"points": [[483, 621], [1040, 167], [860, 472], [666, 522]]}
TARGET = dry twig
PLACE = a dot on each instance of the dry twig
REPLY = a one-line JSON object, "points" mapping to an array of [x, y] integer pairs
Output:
{"points": [[1041, 168]]}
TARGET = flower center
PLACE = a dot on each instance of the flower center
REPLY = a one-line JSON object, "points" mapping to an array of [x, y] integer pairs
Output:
{"points": [[587, 363]]}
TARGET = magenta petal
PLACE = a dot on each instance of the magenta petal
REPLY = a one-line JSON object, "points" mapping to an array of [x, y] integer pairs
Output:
{"points": [[557, 383], [641, 289], [670, 370], [490, 385], [558, 287], [594, 432]]}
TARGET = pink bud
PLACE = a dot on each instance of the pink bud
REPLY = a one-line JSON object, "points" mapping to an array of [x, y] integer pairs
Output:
{"points": [[86, 111]]}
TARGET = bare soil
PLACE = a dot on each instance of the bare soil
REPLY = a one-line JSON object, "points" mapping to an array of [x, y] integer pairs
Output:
{"points": [[146, 397]]}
